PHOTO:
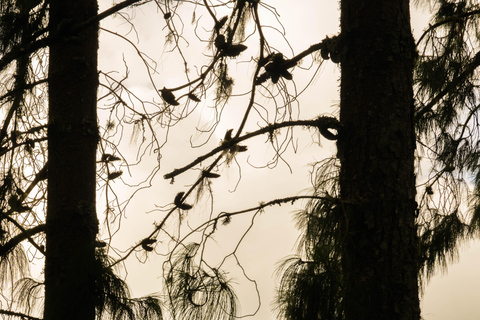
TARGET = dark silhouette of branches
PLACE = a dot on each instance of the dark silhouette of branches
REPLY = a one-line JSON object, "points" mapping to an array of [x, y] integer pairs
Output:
{"points": [[18, 315], [450, 87], [230, 143], [25, 234], [229, 34], [454, 18]]}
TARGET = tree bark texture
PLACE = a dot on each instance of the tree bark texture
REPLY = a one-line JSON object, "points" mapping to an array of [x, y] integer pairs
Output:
{"points": [[376, 147], [72, 224]]}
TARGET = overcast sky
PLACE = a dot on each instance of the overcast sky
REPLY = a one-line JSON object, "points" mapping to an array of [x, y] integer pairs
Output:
{"points": [[273, 237]]}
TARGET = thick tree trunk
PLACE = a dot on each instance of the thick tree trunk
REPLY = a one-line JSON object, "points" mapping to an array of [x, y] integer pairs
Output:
{"points": [[376, 148], [72, 139]]}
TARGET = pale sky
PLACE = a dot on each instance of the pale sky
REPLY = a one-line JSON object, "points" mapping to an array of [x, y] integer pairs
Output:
{"points": [[273, 237]]}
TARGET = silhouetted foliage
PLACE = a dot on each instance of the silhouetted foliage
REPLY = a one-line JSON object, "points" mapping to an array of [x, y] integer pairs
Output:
{"points": [[312, 284], [195, 293]]}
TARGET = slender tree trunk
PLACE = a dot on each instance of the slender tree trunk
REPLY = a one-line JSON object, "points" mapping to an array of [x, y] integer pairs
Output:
{"points": [[72, 140], [376, 148]]}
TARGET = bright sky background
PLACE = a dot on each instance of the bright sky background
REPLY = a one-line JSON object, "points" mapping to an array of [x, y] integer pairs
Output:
{"points": [[273, 237]]}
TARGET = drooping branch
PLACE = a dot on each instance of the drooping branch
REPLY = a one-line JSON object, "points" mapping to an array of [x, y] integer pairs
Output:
{"points": [[31, 46], [453, 18], [40, 176], [26, 86], [261, 206], [234, 141], [107, 13], [26, 234], [450, 87], [18, 314]]}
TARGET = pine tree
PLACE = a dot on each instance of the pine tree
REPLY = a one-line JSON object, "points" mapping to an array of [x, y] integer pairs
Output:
{"points": [[79, 279], [72, 224], [376, 152], [445, 126]]}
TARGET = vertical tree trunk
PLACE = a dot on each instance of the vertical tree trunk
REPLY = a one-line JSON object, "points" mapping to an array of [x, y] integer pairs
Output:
{"points": [[376, 148], [72, 139]]}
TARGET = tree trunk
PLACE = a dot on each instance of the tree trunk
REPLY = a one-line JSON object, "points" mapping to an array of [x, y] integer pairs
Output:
{"points": [[72, 140], [376, 148]]}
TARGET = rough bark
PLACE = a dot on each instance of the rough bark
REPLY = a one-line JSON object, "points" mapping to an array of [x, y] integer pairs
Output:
{"points": [[376, 148], [72, 139]]}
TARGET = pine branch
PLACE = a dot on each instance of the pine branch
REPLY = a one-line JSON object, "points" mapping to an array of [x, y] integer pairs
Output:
{"points": [[29, 47], [313, 48], [279, 202], [453, 18], [19, 315], [234, 141], [40, 176], [261, 206], [105, 14], [26, 234], [27, 86], [449, 88]]}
